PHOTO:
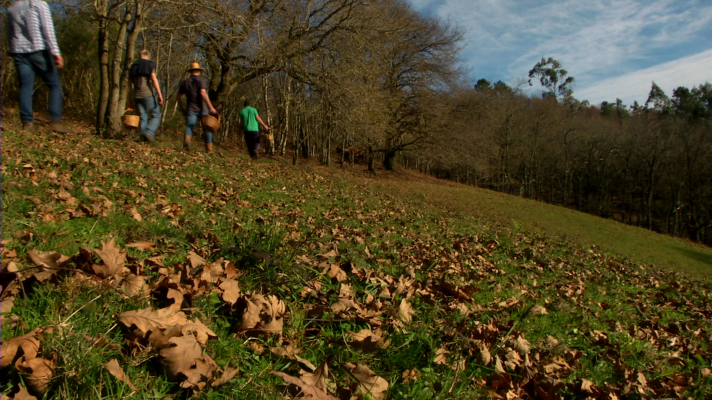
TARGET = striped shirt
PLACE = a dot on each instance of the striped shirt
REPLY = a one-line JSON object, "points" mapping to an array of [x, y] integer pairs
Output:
{"points": [[31, 28]]}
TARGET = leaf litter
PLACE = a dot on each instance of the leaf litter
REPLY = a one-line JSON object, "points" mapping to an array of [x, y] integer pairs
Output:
{"points": [[388, 273]]}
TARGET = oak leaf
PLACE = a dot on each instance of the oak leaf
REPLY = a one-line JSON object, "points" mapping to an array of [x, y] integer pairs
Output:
{"points": [[369, 382], [180, 355], [143, 246], [113, 260], [317, 378], [23, 394], [134, 285], [309, 391], [198, 375], [405, 311], [115, 369], [538, 310], [226, 376], [38, 373], [369, 340], [262, 314], [231, 291], [28, 343], [148, 319]]}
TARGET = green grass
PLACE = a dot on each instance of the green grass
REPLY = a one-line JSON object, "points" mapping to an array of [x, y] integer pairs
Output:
{"points": [[475, 206], [441, 247]]}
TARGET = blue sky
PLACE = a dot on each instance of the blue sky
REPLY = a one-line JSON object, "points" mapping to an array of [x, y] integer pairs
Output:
{"points": [[614, 48]]}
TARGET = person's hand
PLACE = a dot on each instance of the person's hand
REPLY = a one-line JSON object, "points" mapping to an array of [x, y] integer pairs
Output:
{"points": [[212, 111], [129, 109], [160, 101], [266, 127], [59, 61]]}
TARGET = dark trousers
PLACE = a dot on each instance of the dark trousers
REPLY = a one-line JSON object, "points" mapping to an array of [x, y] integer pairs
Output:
{"points": [[29, 65], [252, 139]]}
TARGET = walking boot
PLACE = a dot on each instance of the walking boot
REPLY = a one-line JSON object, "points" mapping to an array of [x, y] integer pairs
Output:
{"points": [[28, 127], [208, 148], [186, 143], [58, 126]]}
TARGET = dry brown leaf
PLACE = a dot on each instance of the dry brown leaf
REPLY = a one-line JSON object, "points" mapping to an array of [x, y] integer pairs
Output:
{"points": [[260, 313], [113, 260], [288, 351], [520, 344], [115, 369], [344, 305], [309, 391], [38, 373], [195, 260], [202, 332], [441, 356], [180, 355], [334, 271], [134, 285], [485, 356], [226, 376], [147, 319], [538, 310], [198, 375], [23, 394], [28, 343], [143, 246], [134, 213], [369, 382], [369, 340], [231, 291], [49, 261], [318, 378], [405, 311]]}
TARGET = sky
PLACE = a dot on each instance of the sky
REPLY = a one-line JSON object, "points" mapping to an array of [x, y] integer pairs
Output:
{"points": [[613, 48]]}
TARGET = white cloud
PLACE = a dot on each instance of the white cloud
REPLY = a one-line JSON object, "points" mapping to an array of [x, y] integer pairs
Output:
{"points": [[594, 40], [688, 71]]}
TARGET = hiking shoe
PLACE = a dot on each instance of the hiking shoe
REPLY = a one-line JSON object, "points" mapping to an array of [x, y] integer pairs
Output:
{"points": [[149, 138], [28, 127], [59, 127], [2, 126]]}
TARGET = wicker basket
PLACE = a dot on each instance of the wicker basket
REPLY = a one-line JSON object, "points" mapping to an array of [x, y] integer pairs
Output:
{"points": [[210, 123], [131, 121]]}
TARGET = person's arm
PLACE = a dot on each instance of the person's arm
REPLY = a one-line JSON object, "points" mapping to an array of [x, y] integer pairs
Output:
{"points": [[260, 121], [158, 89], [179, 99], [206, 99], [47, 27]]}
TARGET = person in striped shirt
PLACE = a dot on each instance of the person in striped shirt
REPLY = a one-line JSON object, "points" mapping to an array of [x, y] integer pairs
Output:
{"points": [[34, 47]]}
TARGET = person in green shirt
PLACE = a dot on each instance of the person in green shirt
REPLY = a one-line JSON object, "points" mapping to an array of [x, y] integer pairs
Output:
{"points": [[250, 122]]}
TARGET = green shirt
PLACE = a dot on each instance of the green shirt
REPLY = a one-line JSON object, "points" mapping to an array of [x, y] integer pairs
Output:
{"points": [[248, 115]]}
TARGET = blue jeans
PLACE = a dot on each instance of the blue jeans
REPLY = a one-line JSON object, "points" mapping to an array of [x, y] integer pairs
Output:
{"points": [[28, 66], [148, 107], [191, 118]]}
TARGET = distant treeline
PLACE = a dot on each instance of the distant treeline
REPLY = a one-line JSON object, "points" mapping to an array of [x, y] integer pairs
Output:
{"points": [[647, 165], [380, 79]]}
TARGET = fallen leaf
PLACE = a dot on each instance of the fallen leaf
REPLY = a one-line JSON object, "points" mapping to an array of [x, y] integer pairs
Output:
{"points": [[147, 319], [226, 376], [405, 311], [134, 285], [520, 344], [28, 343], [135, 214], [180, 355], [115, 369], [143, 246], [198, 375], [369, 382], [344, 305], [113, 260], [309, 391], [368, 340], [260, 313], [231, 291], [318, 378], [23, 394], [538, 310], [38, 373]]}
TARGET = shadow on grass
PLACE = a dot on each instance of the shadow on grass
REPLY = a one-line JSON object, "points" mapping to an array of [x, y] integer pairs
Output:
{"points": [[704, 258]]}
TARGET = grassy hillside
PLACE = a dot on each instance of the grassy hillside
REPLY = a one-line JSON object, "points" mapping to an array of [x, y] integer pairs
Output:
{"points": [[519, 214], [133, 271]]}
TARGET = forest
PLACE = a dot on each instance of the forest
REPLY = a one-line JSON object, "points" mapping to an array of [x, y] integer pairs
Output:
{"points": [[382, 80]]}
